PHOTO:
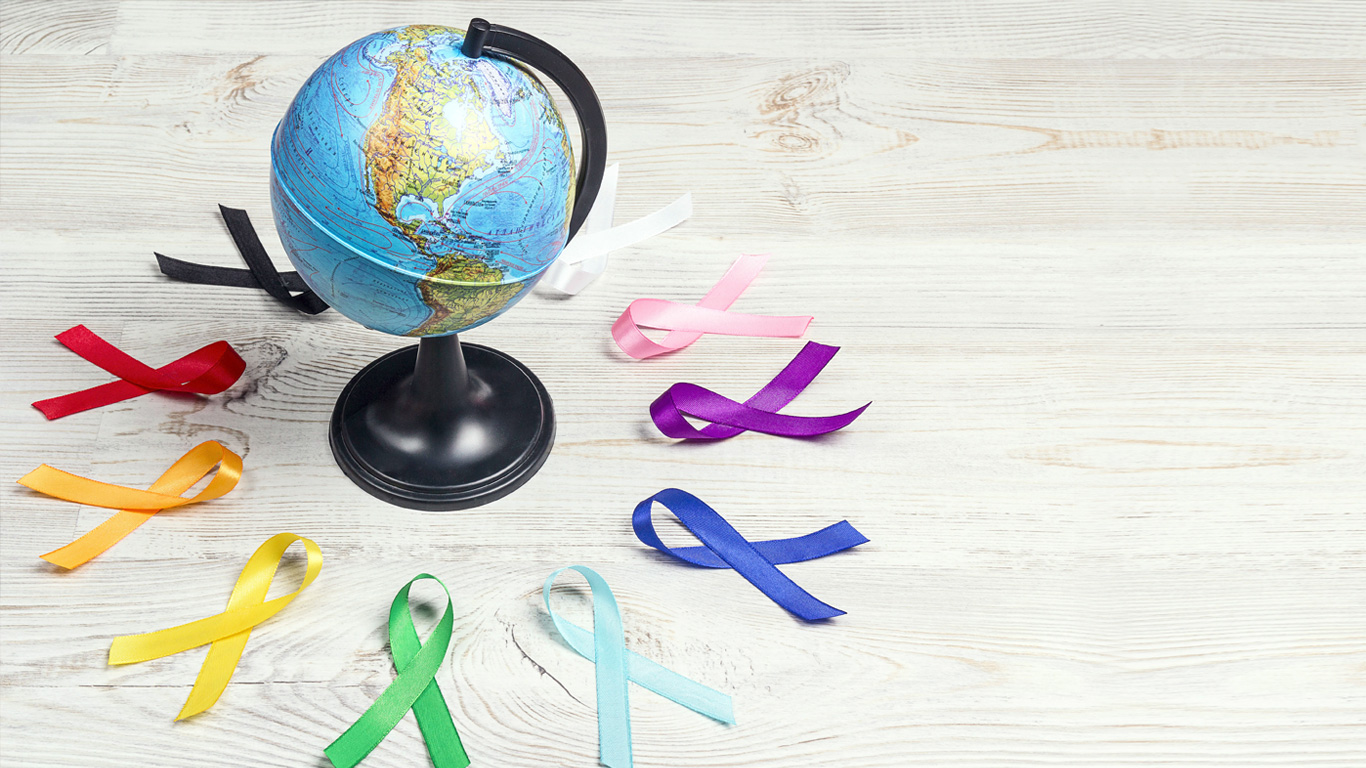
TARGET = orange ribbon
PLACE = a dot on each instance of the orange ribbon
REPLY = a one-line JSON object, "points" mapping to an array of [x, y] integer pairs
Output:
{"points": [[135, 507]]}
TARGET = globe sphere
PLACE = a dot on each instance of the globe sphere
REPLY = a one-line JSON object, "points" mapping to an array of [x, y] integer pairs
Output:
{"points": [[418, 191]]}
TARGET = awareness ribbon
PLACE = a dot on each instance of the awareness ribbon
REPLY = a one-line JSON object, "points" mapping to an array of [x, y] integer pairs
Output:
{"points": [[135, 507], [414, 688], [260, 272], [584, 259], [724, 547], [605, 646], [206, 371], [687, 322], [227, 631], [759, 413]]}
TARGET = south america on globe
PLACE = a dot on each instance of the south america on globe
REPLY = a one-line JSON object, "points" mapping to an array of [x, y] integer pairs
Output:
{"points": [[418, 191]]}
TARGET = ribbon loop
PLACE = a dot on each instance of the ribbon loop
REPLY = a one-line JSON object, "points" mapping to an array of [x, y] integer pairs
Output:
{"points": [[687, 323], [614, 665], [260, 272], [759, 413], [724, 547], [135, 507], [206, 371], [584, 259], [227, 631], [414, 688]]}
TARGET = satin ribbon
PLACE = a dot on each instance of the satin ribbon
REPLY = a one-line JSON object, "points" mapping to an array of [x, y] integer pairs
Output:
{"points": [[605, 646], [206, 371], [584, 259], [724, 547], [687, 323], [260, 272], [759, 413], [135, 507], [227, 631], [414, 688]]}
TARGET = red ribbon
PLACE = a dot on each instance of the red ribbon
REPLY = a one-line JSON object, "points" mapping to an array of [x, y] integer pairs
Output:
{"points": [[206, 371]]}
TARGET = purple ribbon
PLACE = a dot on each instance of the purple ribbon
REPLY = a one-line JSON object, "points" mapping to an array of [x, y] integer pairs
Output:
{"points": [[759, 413], [724, 547]]}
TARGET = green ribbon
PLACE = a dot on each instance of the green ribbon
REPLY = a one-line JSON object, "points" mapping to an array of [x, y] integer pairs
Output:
{"points": [[415, 688]]}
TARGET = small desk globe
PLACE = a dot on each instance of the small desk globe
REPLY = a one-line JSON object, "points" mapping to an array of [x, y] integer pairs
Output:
{"points": [[422, 181]]}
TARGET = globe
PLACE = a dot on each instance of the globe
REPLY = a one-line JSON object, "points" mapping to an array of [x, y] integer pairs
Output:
{"points": [[419, 191], [422, 182]]}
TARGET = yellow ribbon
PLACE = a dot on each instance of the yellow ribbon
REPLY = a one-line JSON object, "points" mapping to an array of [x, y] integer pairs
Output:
{"points": [[229, 630], [135, 507]]}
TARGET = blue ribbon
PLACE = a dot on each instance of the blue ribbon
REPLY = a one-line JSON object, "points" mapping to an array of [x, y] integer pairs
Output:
{"points": [[605, 646], [724, 547]]}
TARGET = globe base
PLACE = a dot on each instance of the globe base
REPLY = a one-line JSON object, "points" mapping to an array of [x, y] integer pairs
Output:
{"points": [[442, 426]]}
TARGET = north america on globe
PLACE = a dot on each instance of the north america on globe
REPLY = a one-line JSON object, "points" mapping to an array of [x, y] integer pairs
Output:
{"points": [[418, 191]]}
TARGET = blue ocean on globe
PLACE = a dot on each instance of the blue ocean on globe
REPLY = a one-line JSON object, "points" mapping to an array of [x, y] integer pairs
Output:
{"points": [[416, 190]]}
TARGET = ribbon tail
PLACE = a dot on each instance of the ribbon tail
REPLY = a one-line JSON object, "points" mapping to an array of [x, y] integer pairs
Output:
{"points": [[608, 652], [228, 277], [361, 738], [610, 671], [656, 677], [249, 245], [260, 273], [679, 689], [96, 350], [438, 729], [776, 585], [827, 541], [728, 413], [585, 259], [779, 424], [215, 673], [82, 490], [87, 399], [576, 268], [134, 649], [614, 719], [99, 539]]}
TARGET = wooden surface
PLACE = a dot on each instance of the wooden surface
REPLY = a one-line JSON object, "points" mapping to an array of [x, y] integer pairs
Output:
{"points": [[1099, 266]]}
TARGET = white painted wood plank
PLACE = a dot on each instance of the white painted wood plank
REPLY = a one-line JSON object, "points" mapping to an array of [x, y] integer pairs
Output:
{"points": [[933, 28], [870, 150]]}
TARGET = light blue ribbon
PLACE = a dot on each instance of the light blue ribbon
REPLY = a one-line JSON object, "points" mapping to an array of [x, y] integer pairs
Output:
{"points": [[605, 646]]}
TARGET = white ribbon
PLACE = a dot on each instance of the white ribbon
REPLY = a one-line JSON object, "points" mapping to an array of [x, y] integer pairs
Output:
{"points": [[585, 258]]}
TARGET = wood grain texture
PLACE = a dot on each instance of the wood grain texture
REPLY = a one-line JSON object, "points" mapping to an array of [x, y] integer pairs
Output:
{"points": [[1099, 266]]}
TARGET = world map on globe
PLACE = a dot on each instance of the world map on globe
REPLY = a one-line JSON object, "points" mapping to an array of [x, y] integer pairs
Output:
{"points": [[416, 190]]}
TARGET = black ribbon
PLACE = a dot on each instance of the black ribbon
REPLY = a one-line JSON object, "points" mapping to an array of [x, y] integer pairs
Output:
{"points": [[260, 272]]}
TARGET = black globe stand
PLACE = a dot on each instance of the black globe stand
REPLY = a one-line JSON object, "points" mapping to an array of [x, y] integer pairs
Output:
{"points": [[442, 426]]}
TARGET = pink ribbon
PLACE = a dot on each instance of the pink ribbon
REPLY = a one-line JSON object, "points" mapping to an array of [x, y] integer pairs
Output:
{"points": [[687, 322]]}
